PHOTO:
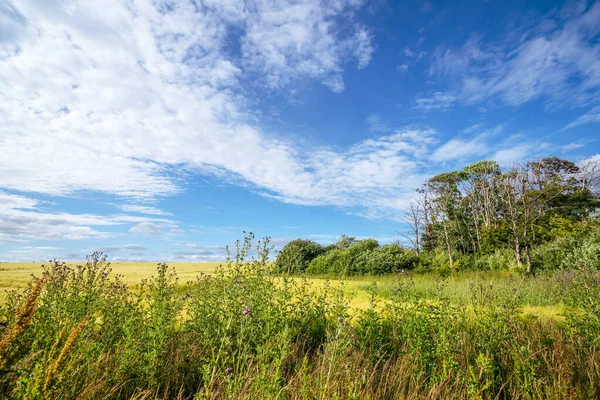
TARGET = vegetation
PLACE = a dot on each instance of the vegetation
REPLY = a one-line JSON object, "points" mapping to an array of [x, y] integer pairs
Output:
{"points": [[247, 333], [536, 216], [504, 246]]}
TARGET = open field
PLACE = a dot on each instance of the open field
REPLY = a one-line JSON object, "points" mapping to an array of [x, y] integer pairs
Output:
{"points": [[246, 333], [17, 275], [539, 296]]}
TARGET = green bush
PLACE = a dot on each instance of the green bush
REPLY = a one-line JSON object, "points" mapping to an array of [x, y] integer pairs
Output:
{"points": [[297, 255], [79, 333], [326, 262], [568, 252], [499, 259], [349, 261], [387, 259]]}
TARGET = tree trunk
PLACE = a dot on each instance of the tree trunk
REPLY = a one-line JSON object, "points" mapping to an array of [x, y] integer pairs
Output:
{"points": [[448, 245]]}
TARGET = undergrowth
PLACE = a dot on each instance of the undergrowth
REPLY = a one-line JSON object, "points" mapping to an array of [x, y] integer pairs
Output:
{"points": [[243, 332]]}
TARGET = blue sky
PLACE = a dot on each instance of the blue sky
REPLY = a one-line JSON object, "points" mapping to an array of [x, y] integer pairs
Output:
{"points": [[160, 130]]}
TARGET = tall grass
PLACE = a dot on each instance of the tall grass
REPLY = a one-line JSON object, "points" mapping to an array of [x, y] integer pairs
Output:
{"points": [[245, 333]]}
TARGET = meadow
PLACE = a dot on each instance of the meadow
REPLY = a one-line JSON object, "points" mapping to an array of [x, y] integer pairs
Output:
{"points": [[540, 296], [242, 331], [16, 275]]}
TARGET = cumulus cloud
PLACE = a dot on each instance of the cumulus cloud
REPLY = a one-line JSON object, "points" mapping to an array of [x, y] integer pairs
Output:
{"points": [[146, 228], [126, 99]]}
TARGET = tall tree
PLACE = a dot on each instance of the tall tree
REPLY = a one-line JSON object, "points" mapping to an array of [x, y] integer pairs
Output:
{"points": [[443, 205]]}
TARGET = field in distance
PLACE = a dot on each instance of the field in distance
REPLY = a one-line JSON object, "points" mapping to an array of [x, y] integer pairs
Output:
{"points": [[538, 295], [15, 275]]}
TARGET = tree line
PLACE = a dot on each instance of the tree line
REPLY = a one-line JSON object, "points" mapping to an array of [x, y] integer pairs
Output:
{"points": [[535, 214]]}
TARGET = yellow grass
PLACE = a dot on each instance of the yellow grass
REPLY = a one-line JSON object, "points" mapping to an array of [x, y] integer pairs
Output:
{"points": [[17, 275]]}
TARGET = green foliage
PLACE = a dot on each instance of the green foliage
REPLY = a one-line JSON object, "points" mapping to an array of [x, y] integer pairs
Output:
{"points": [[351, 260], [297, 255], [386, 259], [245, 333], [568, 252], [472, 213]]}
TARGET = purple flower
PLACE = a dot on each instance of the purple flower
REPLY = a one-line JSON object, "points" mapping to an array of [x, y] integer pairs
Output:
{"points": [[247, 311], [340, 320], [228, 370]]}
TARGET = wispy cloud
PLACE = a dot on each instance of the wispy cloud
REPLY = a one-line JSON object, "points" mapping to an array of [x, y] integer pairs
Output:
{"points": [[555, 61], [591, 116], [463, 148], [136, 208], [437, 101], [21, 220]]}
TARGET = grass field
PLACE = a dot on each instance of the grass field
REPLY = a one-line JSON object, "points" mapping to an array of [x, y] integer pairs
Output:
{"points": [[539, 296], [246, 333], [17, 275]]}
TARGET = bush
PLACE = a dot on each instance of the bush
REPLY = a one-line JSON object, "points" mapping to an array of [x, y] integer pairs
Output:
{"points": [[499, 259], [326, 262], [297, 255], [568, 252], [387, 259], [349, 261]]}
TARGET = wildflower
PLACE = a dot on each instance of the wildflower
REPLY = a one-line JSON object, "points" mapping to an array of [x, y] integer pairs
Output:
{"points": [[247, 311], [340, 320], [228, 371]]}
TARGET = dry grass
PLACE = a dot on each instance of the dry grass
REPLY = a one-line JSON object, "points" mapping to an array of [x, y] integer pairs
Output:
{"points": [[538, 301], [17, 275]]}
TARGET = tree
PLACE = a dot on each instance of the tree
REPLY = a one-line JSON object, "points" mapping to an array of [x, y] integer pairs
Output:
{"points": [[297, 255], [414, 219], [443, 203]]}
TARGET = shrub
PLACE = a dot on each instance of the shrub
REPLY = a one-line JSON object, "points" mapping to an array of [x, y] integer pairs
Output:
{"points": [[349, 261], [387, 259], [568, 252], [297, 255], [499, 259], [327, 262]]}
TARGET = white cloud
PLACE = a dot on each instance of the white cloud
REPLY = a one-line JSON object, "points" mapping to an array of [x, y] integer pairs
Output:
{"points": [[291, 40], [591, 116], [134, 247], [125, 98], [508, 156], [136, 208], [146, 228], [460, 148], [21, 220], [402, 68], [559, 65], [437, 101], [572, 146]]}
